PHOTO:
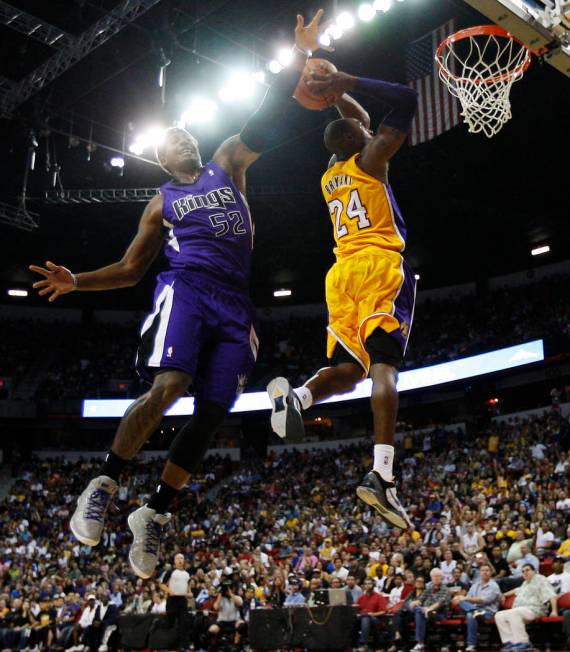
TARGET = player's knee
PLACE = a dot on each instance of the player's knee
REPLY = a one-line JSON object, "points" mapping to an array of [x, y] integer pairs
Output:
{"points": [[168, 387]]}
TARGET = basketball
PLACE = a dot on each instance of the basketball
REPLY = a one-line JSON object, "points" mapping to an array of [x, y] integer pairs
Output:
{"points": [[302, 93]]}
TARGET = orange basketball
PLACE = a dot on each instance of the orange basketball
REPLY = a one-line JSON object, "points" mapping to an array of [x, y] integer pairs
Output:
{"points": [[302, 93]]}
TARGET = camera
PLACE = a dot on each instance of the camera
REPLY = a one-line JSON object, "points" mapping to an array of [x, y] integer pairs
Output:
{"points": [[225, 589]]}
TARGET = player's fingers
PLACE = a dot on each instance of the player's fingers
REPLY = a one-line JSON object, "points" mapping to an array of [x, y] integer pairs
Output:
{"points": [[54, 296], [317, 17], [39, 270], [51, 266], [45, 291], [40, 284], [300, 22]]}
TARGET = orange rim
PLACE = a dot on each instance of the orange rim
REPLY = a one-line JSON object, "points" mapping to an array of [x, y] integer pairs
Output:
{"points": [[483, 30]]}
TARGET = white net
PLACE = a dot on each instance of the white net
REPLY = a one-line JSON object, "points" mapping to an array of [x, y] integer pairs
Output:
{"points": [[480, 70]]}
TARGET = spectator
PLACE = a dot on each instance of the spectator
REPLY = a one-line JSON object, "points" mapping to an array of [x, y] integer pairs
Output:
{"points": [[526, 558], [482, 601], [353, 588], [406, 613], [432, 605], [530, 603], [371, 607], [174, 582], [227, 605], [294, 598]]}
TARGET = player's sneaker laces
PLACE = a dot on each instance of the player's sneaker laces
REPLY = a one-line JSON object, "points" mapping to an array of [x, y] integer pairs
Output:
{"points": [[89, 516], [286, 417], [381, 494], [146, 525]]}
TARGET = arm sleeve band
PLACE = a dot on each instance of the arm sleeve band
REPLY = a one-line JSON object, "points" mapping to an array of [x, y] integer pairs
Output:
{"points": [[261, 124], [403, 100]]}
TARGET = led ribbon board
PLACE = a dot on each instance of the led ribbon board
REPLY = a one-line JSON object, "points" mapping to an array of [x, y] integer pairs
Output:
{"points": [[446, 372]]}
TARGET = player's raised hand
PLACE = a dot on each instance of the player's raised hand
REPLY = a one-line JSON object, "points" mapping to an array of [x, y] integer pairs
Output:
{"points": [[331, 84], [57, 280], [307, 36]]}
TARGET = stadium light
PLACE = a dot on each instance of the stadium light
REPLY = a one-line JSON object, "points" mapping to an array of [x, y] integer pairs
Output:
{"points": [[417, 277], [259, 77], [285, 56], [239, 86], [334, 31], [282, 293], [200, 111], [366, 12], [17, 293], [382, 5], [537, 251], [136, 148], [325, 40], [274, 66], [345, 20], [117, 162], [155, 136]]}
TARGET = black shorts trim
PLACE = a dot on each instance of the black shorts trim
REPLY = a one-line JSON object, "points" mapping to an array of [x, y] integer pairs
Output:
{"points": [[380, 346]]}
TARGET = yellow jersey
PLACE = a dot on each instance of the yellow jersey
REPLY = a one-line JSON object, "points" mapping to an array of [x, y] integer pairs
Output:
{"points": [[363, 210]]}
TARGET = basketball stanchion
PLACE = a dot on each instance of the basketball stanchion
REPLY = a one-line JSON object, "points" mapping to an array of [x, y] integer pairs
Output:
{"points": [[479, 65]]}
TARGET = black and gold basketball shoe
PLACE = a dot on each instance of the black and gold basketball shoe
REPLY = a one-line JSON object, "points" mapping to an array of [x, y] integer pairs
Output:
{"points": [[381, 494], [286, 417]]}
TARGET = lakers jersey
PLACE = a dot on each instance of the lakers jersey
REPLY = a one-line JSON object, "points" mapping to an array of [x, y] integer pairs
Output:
{"points": [[363, 210]]}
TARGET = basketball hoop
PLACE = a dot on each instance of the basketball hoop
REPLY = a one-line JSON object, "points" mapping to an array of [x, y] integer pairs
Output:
{"points": [[479, 65]]}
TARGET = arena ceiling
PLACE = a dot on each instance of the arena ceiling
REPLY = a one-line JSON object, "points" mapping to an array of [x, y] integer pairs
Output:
{"points": [[474, 206]]}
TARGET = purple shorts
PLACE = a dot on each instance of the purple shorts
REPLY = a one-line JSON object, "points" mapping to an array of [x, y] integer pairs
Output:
{"points": [[204, 328]]}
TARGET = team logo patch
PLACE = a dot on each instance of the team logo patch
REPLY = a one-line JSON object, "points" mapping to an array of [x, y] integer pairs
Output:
{"points": [[405, 328], [169, 352]]}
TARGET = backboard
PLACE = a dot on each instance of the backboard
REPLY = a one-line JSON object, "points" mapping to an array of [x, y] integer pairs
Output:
{"points": [[543, 25]]}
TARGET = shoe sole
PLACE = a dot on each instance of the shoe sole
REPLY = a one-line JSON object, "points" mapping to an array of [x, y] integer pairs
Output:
{"points": [[81, 538], [284, 420], [136, 569], [369, 497]]}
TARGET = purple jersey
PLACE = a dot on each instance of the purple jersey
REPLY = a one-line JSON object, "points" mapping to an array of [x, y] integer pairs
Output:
{"points": [[210, 227]]}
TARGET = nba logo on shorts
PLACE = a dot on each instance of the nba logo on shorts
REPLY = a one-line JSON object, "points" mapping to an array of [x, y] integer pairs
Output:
{"points": [[405, 328], [169, 352]]}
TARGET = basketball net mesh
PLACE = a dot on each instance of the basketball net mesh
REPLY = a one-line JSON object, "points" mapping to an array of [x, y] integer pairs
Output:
{"points": [[479, 70]]}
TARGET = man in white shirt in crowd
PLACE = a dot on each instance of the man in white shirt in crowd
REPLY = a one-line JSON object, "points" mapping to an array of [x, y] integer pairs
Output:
{"points": [[174, 582], [531, 602], [544, 539], [228, 606], [339, 570], [447, 566], [395, 594], [353, 588], [85, 620], [560, 580]]}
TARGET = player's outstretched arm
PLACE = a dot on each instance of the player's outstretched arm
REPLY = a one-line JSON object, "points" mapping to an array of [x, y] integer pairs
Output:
{"points": [[128, 271], [392, 133], [348, 107], [237, 153]]}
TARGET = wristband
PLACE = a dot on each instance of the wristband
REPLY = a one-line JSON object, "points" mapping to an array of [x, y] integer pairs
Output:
{"points": [[74, 280], [306, 53]]}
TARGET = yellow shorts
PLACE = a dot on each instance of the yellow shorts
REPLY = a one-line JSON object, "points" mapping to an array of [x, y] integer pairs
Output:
{"points": [[365, 292]]}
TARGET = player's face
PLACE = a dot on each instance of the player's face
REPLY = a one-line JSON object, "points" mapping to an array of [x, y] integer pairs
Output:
{"points": [[180, 152]]}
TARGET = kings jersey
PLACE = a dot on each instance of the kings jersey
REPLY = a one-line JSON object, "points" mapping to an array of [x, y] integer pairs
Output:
{"points": [[209, 227], [363, 211]]}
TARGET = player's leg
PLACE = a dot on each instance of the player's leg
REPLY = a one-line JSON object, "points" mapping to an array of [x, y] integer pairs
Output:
{"points": [[137, 425], [225, 361], [348, 360], [378, 488], [184, 457]]}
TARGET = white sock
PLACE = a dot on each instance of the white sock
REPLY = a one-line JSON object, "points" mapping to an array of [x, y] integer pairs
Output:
{"points": [[305, 397], [383, 460]]}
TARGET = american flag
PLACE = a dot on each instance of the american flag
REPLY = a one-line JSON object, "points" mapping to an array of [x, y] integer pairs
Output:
{"points": [[438, 110]]}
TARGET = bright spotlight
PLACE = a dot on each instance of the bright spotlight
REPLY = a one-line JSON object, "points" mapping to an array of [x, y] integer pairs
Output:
{"points": [[274, 66], [366, 12], [325, 40], [239, 87], [537, 251], [334, 31], [285, 56], [117, 162], [259, 76], [282, 293], [345, 20], [155, 136], [136, 148], [199, 111], [382, 5], [17, 293], [417, 277]]}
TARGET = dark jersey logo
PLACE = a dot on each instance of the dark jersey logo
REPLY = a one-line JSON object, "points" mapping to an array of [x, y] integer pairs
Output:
{"points": [[218, 198]]}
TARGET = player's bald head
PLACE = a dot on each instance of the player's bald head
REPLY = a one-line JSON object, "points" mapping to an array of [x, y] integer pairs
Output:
{"points": [[344, 137]]}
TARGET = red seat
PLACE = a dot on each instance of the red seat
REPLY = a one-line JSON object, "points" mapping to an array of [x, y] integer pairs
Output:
{"points": [[451, 621], [508, 604], [564, 601], [549, 619]]}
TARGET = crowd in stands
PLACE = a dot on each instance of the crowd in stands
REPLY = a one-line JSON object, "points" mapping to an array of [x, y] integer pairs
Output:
{"points": [[277, 530], [97, 360]]}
